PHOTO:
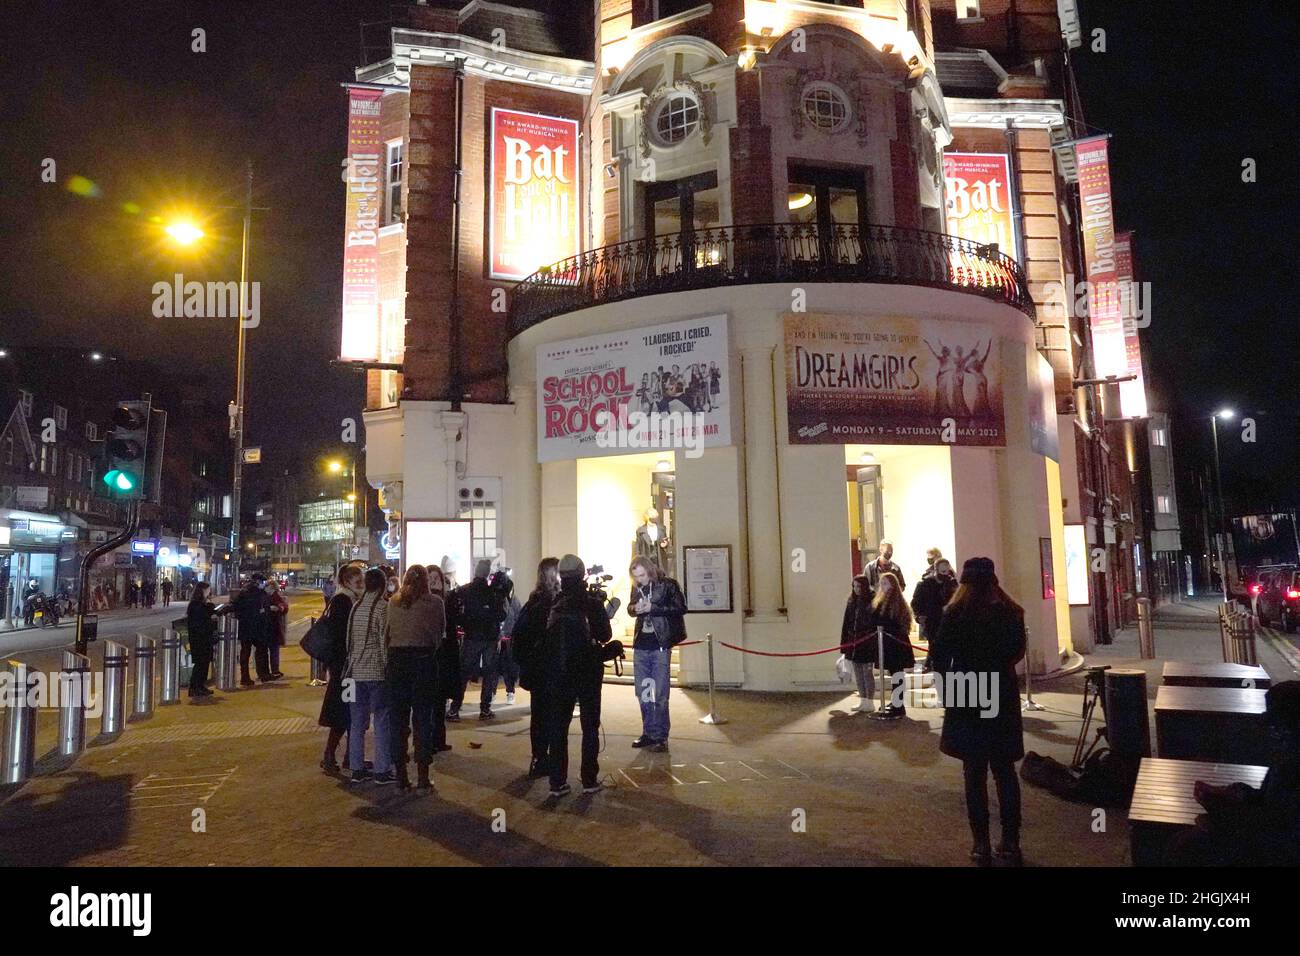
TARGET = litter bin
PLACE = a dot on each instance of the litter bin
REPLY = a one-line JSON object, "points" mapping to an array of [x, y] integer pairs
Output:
{"points": [[1128, 725]]}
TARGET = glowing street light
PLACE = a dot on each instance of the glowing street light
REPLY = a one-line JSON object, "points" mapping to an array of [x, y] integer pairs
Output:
{"points": [[335, 466], [1227, 414], [184, 232]]}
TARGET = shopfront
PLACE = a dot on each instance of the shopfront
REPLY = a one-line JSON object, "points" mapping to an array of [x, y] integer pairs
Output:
{"points": [[32, 553]]}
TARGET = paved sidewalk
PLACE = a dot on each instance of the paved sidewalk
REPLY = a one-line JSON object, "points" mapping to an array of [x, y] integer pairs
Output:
{"points": [[790, 779]]}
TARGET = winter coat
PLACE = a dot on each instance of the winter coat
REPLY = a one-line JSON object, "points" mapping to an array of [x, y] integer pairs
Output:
{"points": [[278, 618], [985, 643], [367, 656], [667, 612], [898, 645], [527, 634], [932, 592], [201, 625], [334, 709], [482, 610], [857, 624], [448, 653], [873, 571], [250, 609], [576, 628]]}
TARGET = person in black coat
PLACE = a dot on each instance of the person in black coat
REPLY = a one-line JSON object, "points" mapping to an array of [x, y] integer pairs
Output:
{"points": [[201, 625], [980, 640], [857, 627], [527, 636], [659, 607], [334, 712], [890, 613], [933, 591], [251, 608], [448, 655]]}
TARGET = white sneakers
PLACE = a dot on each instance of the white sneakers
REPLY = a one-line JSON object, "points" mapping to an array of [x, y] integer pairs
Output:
{"points": [[510, 699]]}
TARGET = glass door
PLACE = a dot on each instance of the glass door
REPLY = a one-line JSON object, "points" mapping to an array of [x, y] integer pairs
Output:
{"points": [[831, 205], [683, 215], [870, 502]]}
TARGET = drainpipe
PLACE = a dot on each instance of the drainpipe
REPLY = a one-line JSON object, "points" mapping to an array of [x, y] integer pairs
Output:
{"points": [[456, 371]]}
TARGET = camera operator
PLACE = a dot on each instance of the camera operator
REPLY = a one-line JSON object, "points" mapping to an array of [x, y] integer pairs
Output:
{"points": [[659, 607], [569, 670]]}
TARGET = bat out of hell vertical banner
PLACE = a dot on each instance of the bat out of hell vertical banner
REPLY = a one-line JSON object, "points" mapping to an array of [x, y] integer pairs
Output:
{"points": [[1106, 317], [360, 340]]}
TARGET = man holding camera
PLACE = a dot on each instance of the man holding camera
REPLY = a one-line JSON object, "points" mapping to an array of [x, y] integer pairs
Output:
{"points": [[659, 608], [570, 667]]}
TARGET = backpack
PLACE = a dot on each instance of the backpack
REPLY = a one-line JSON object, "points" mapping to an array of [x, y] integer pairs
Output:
{"points": [[565, 642]]}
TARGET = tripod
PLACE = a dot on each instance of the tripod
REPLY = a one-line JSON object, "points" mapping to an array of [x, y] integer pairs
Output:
{"points": [[1093, 692]]}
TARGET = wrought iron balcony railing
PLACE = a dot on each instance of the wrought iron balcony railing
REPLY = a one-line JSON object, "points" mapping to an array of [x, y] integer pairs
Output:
{"points": [[770, 252]]}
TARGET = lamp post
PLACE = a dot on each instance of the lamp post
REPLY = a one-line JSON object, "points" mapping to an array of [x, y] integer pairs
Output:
{"points": [[186, 233], [1227, 414], [335, 467]]}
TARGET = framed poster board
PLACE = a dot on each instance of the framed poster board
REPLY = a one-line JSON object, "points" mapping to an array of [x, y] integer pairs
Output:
{"points": [[1048, 568], [706, 578]]}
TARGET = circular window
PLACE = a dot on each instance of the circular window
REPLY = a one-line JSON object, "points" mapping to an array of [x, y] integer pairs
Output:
{"points": [[825, 107], [677, 118]]}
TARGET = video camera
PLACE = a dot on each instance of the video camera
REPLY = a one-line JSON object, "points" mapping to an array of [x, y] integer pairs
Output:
{"points": [[597, 579]]}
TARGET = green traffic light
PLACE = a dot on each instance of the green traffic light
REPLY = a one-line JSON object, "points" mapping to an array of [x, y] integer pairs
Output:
{"points": [[119, 480]]}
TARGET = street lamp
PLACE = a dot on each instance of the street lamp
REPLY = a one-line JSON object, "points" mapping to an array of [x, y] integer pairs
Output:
{"points": [[1227, 414], [186, 233]]}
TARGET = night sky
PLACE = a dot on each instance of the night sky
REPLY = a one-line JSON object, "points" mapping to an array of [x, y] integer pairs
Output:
{"points": [[111, 91]]}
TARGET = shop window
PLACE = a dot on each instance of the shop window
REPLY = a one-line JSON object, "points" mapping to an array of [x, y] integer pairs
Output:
{"points": [[393, 184]]}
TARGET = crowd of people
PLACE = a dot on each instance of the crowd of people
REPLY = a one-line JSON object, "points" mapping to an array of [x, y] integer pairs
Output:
{"points": [[142, 593]]}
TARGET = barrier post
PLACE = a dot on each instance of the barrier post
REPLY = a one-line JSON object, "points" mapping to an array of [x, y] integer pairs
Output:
{"points": [[145, 651], [19, 743], [170, 690], [227, 654], [115, 665], [74, 686], [712, 716], [1146, 634], [882, 711]]}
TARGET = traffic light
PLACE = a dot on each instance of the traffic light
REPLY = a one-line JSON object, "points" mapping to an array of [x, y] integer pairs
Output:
{"points": [[128, 445]]}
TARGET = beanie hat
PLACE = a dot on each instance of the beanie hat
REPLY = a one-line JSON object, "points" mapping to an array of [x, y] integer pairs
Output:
{"points": [[482, 568], [571, 566]]}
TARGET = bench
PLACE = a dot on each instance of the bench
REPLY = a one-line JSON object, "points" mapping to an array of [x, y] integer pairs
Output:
{"points": [[1186, 674], [1163, 804], [1218, 724]]}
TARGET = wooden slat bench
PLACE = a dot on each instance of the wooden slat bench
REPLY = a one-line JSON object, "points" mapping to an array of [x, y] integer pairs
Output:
{"points": [[1187, 674], [1217, 724], [1163, 803]]}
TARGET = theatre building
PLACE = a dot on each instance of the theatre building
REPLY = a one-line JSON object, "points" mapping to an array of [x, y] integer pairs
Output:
{"points": [[690, 291]]}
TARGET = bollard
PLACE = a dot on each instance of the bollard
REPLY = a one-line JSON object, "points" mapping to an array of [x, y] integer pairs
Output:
{"points": [[19, 744], [1029, 703], [116, 662], [170, 689], [882, 710], [712, 716], [1146, 635], [227, 654], [145, 651], [317, 677], [74, 690]]}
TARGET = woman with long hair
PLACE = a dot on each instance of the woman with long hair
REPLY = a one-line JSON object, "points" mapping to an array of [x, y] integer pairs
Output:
{"points": [[980, 640], [527, 633], [659, 607], [366, 662], [334, 712], [857, 627], [447, 657], [889, 611], [415, 629]]}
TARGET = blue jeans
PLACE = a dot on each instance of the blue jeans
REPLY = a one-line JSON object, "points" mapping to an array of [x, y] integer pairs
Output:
{"points": [[371, 697], [650, 670]]}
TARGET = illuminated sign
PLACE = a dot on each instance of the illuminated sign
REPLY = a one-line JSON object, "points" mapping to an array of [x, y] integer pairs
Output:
{"points": [[1076, 564], [430, 541], [362, 216], [979, 203], [1132, 395], [4, 535], [143, 547], [533, 218], [1106, 319]]}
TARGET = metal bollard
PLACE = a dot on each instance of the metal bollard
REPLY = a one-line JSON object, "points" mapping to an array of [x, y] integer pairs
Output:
{"points": [[227, 654], [1029, 703], [74, 691], [712, 716], [145, 652], [882, 711], [170, 683], [116, 662], [19, 744], [1146, 636]]}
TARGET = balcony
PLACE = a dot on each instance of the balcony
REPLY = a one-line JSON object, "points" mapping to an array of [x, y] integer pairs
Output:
{"points": [[771, 252]]}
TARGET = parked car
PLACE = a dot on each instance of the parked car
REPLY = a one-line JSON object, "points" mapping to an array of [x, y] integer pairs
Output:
{"points": [[1276, 594]]}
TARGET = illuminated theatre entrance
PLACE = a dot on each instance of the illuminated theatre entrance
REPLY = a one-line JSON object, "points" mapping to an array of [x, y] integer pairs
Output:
{"points": [[902, 494], [608, 510]]}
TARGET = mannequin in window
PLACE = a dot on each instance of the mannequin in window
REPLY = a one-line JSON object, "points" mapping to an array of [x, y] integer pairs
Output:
{"points": [[651, 540]]}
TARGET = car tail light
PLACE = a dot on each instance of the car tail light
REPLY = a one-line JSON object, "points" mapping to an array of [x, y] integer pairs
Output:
{"points": [[1256, 588], [1293, 593]]}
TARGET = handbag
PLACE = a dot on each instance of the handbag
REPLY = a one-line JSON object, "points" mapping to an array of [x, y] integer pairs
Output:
{"points": [[843, 670], [316, 643]]}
